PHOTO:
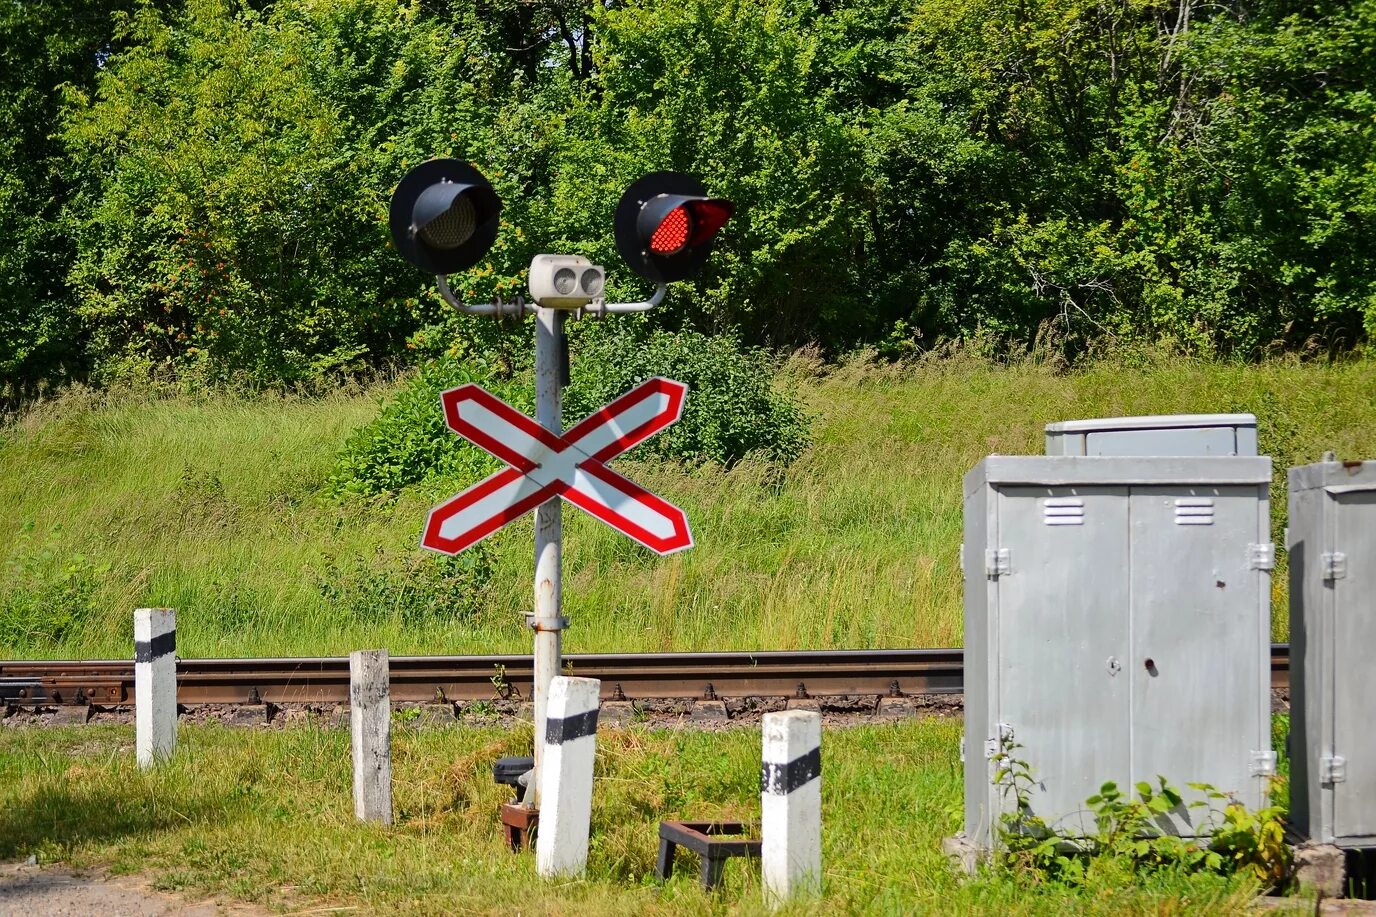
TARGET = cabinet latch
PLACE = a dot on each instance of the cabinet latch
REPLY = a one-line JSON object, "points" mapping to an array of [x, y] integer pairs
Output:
{"points": [[997, 563], [1332, 769], [1263, 763], [1262, 556], [1334, 565]]}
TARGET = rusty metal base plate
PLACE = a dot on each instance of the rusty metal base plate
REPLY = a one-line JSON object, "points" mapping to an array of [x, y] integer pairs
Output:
{"points": [[519, 823]]}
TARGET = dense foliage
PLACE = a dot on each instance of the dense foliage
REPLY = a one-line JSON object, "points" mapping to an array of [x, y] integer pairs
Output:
{"points": [[199, 188], [408, 441], [732, 410]]}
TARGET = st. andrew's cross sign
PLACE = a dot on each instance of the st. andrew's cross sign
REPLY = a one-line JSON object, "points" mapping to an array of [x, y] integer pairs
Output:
{"points": [[572, 465]]}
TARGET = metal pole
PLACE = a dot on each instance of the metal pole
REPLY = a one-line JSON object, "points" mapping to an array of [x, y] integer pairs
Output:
{"points": [[547, 621]]}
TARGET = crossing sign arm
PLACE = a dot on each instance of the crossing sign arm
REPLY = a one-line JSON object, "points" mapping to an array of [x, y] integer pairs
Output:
{"points": [[630, 509], [543, 465]]}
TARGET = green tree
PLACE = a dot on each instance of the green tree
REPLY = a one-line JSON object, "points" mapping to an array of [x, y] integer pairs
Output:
{"points": [[44, 45]]}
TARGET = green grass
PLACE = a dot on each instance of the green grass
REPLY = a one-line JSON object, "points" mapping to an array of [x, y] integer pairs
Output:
{"points": [[213, 506], [266, 816]]}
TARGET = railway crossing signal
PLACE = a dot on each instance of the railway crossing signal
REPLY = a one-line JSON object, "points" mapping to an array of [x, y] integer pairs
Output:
{"points": [[544, 465], [444, 218]]}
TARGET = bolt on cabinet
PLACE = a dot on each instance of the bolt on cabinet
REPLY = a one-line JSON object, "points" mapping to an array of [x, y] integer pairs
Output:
{"points": [[1332, 547], [1117, 625]]}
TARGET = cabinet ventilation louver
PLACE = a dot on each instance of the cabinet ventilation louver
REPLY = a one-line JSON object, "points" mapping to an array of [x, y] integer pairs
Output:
{"points": [[1063, 511], [1194, 511]]}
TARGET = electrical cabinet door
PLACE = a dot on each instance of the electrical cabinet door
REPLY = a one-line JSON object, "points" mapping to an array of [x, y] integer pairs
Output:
{"points": [[1354, 631], [1198, 642], [1063, 643]]}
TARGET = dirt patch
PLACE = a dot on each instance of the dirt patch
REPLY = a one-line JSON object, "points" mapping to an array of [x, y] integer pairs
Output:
{"points": [[56, 891]]}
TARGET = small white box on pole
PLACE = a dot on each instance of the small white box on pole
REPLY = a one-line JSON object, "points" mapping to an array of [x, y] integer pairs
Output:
{"points": [[570, 745], [370, 715], [155, 685], [791, 806]]}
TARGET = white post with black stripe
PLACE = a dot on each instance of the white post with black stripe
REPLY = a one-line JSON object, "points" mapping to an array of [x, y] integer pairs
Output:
{"points": [[155, 685], [570, 745], [791, 806]]}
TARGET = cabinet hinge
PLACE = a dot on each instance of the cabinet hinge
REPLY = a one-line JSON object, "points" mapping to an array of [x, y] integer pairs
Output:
{"points": [[1334, 565], [997, 563], [1332, 769], [1263, 763], [1262, 556]]}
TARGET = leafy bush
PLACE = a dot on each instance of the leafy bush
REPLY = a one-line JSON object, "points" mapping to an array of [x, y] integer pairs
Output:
{"points": [[200, 188], [1128, 837], [44, 595], [409, 441], [732, 409]]}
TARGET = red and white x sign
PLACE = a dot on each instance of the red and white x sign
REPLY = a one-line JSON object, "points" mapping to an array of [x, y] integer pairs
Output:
{"points": [[545, 465]]}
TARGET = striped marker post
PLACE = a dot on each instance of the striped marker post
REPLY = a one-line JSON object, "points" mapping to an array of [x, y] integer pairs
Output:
{"points": [[155, 685], [570, 744], [791, 806]]}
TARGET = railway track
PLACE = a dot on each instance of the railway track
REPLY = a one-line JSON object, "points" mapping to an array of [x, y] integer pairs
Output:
{"points": [[467, 678]]}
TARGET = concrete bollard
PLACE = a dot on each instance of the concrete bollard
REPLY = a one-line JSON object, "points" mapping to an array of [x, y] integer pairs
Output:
{"points": [[791, 806], [155, 685], [570, 745], [370, 715]]}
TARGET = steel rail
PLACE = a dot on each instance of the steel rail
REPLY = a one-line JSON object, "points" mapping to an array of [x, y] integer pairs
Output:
{"points": [[510, 677]]}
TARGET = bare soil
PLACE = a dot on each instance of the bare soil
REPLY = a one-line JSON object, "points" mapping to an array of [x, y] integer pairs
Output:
{"points": [[57, 891]]}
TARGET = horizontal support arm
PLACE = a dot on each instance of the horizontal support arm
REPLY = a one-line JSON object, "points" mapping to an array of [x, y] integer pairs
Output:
{"points": [[518, 307], [497, 307]]}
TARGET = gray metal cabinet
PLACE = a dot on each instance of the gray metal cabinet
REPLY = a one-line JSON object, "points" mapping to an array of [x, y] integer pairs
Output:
{"points": [[1332, 546], [1117, 624]]}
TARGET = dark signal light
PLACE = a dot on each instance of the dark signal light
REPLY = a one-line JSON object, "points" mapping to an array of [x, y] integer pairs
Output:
{"points": [[444, 216], [666, 225]]}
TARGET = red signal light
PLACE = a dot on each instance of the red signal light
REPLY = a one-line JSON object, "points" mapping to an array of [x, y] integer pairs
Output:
{"points": [[672, 233], [666, 225]]}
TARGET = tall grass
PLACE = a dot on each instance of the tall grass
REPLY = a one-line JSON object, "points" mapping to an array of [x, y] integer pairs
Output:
{"points": [[213, 506]]}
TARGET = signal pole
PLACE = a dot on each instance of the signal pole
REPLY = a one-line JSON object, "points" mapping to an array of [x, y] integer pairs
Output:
{"points": [[548, 620]]}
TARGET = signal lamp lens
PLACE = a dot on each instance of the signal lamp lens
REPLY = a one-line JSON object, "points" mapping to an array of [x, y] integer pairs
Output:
{"points": [[592, 282], [672, 234], [454, 227], [564, 279]]}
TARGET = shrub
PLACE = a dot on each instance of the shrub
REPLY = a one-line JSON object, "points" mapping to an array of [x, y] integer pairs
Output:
{"points": [[732, 409], [1129, 837], [409, 442]]}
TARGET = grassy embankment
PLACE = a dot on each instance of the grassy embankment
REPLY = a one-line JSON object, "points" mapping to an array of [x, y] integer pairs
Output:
{"points": [[213, 506], [266, 816]]}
